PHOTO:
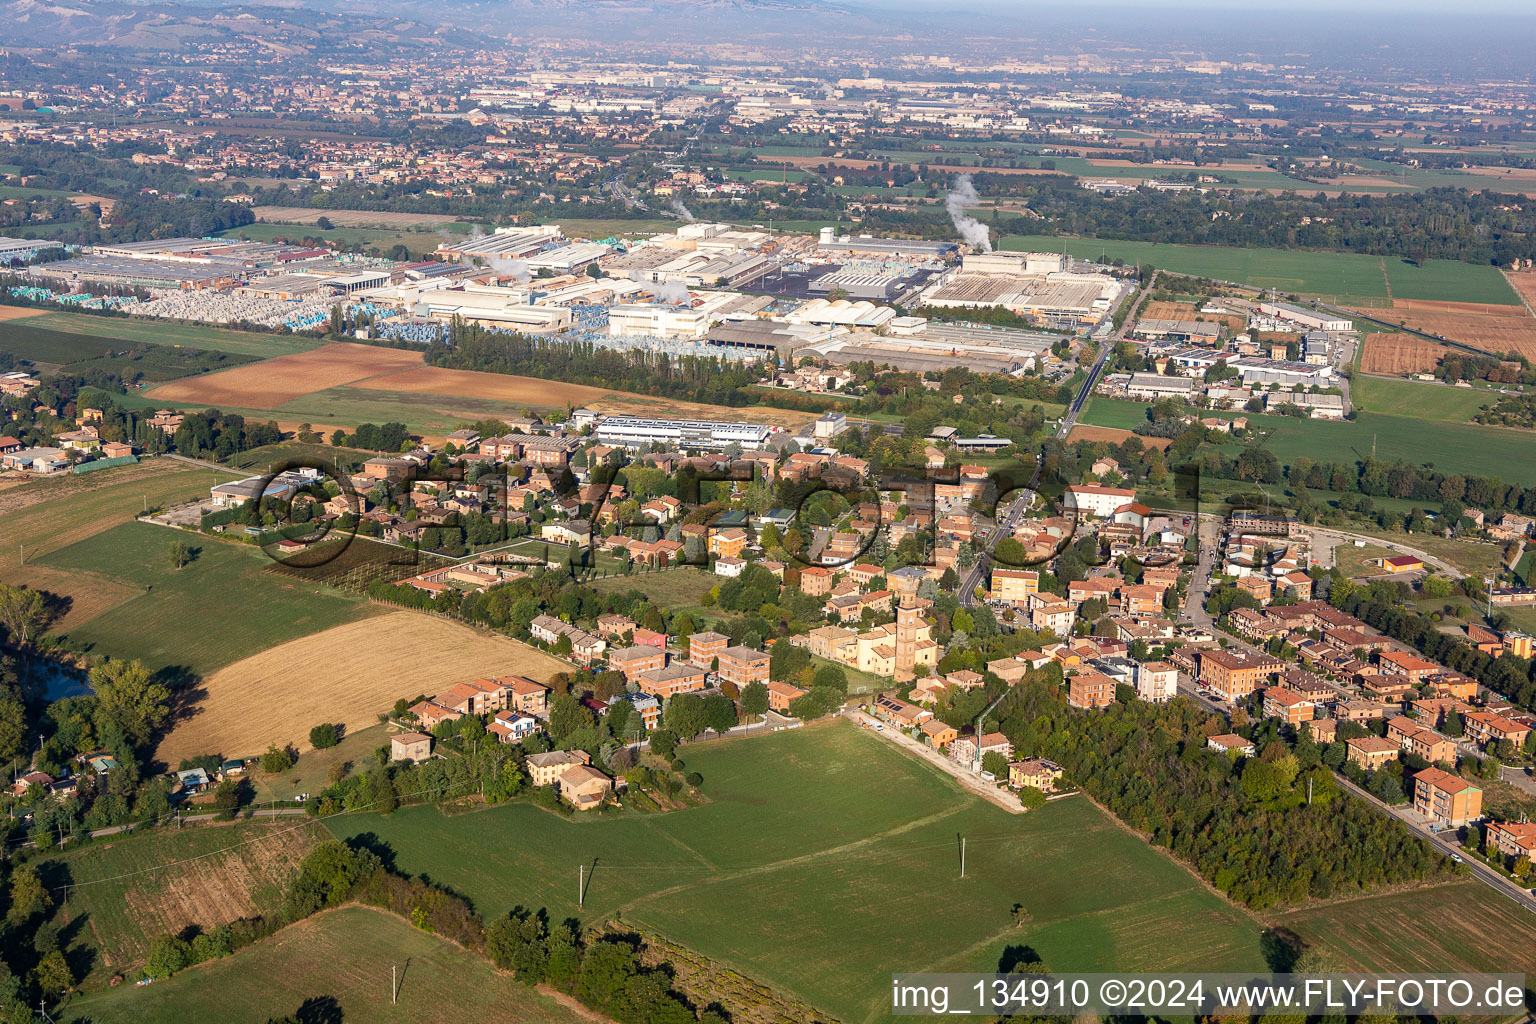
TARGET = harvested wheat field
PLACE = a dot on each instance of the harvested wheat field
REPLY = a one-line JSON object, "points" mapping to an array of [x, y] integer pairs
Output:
{"points": [[1524, 283], [1496, 335], [1400, 354], [268, 385], [1114, 435], [348, 674], [350, 218], [1444, 306], [525, 391], [19, 312]]}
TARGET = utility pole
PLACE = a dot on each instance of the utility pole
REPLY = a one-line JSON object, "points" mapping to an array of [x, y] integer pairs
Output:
{"points": [[394, 989], [581, 885], [962, 856]]}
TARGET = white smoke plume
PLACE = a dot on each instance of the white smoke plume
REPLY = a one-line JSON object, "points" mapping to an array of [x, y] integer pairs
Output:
{"points": [[672, 292], [961, 198], [683, 211], [516, 269]]}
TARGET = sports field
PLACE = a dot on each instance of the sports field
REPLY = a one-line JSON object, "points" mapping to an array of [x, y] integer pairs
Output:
{"points": [[1352, 279], [333, 967], [825, 860], [125, 891], [220, 608], [348, 674]]}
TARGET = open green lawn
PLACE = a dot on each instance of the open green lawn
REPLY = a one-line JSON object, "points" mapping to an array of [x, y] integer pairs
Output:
{"points": [[825, 860], [1466, 447], [337, 965], [668, 589], [311, 773], [1349, 278], [417, 241], [1526, 567], [159, 332], [81, 354], [1451, 280], [1428, 401], [219, 609]]}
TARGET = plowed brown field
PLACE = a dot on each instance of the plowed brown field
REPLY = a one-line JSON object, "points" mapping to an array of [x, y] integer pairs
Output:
{"points": [[268, 385], [1400, 353]]}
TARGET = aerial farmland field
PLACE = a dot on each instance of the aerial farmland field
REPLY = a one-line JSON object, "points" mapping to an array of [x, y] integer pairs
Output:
{"points": [[796, 875]]}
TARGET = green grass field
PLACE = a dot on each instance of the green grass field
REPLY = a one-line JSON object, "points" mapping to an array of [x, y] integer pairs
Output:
{"points": [[825, 859], [345, 956], [219, 609], [81, 353], [310, 774], [1468, 448], [159, 332], [1352, 279], [673, 588], [1428, 401]]}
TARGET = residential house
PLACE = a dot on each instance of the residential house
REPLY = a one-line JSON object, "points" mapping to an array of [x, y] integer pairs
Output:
{"points": [[1230, 743], [410, 746], [584, 787], [938, 734], [1156, 681], [512, 726], [1371, 752], [1229, 674], [900, 713], [968, 750], [632, 661], [705, 647], [1511, 838], [1487, 729], [1036, 773], [545, 769], [781, 695], [1415, 738], [1287, 705], [671, 680]]}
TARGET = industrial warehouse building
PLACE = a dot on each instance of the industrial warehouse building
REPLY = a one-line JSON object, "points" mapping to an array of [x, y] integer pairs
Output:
{"points": [[1309, 318], [635, 432]]}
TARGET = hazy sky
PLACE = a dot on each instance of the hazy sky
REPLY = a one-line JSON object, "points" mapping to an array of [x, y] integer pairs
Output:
{"points": [[1462, 8]]}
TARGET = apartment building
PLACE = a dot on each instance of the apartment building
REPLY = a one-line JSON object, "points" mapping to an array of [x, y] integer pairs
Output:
{"points": [[743, 665], [1445, 799]]}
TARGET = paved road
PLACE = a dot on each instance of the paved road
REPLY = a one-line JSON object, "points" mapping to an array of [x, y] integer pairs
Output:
{"points": [[1481, 871], [1194, 612], [1003, 798], [978, 574]]}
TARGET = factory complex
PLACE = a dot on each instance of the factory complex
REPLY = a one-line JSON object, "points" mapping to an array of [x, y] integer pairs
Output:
{"points": [[703, 289]]}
